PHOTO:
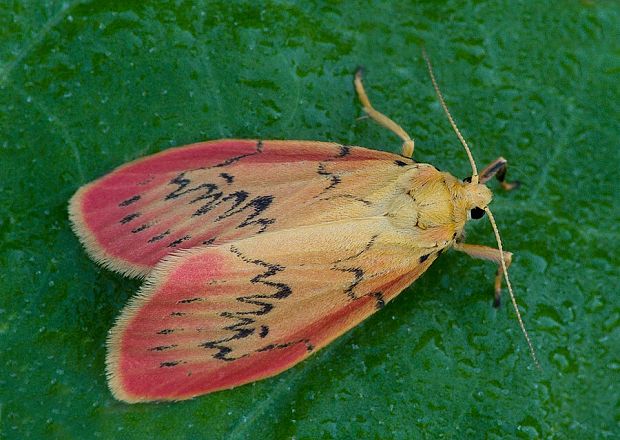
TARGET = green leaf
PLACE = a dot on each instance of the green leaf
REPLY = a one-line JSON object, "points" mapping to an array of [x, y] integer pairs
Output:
{"points": [[87, 86]]}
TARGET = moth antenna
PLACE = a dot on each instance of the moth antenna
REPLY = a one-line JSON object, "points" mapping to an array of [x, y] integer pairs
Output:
{"points": [[512, 296], [474, 177]]}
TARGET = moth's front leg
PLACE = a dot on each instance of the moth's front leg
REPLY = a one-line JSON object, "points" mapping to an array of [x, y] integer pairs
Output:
{"points": [[498, 169], [490, 254]]}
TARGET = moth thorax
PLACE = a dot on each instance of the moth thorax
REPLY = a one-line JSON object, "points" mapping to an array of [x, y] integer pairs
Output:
{"points": [[432, 203]]}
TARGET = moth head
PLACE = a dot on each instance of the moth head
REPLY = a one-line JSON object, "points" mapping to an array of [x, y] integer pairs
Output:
{"points": [[469, 200], [476, 197]]}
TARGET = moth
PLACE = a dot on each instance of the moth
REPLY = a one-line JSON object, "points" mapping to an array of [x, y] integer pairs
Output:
{"points": [[256, 254]]}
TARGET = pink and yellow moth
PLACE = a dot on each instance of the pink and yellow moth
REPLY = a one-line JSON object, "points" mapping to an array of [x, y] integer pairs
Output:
{"points": [[257, 253]]}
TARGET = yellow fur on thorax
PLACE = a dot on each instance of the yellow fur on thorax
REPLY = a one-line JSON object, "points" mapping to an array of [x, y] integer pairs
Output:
{"points": [[433, 203], [423, 203]]}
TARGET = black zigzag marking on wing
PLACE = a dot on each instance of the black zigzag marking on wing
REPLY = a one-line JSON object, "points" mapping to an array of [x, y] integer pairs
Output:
{"points": [[358, 272], [244, 322], [306, 341], [259, 149], [334, 179], [256, 206], [129, 201]]}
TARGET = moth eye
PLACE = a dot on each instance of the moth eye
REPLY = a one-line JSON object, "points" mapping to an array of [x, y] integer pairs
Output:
{"points": [[477, 213], [467, 179]]}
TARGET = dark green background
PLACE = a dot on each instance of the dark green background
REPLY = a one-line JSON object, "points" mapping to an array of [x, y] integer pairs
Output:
{"points": [[87, 86]]}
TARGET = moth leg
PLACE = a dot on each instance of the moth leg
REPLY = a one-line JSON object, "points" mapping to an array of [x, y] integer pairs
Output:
{"points": [[489, 254], [380, 118], [498, 169]]}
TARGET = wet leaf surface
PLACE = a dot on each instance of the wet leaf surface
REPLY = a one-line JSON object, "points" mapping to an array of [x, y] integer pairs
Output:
{"points": [[87, 86]]}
